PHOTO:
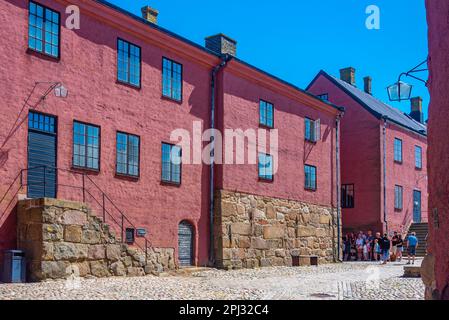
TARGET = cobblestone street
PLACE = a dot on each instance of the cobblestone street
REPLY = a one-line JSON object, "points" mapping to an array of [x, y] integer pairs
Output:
{"points": [[347, 281]]}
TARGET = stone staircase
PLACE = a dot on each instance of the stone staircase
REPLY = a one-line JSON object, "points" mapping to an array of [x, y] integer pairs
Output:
{"points": [[421, 230]]}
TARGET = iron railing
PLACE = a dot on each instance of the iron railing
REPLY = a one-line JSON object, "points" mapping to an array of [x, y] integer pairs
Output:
{"points": [[80, 187]]}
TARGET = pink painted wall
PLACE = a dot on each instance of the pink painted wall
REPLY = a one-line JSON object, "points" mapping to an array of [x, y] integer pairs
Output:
{"points": [[362, 164], [405, 175], [437, 18], [88, 69], [360, 147], [240, 107]]}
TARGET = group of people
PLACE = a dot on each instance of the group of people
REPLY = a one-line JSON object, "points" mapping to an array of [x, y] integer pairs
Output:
{"points": [[369, 247]]}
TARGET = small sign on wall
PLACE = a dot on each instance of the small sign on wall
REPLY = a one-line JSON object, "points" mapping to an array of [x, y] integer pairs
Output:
{"points": [[141, 232]]}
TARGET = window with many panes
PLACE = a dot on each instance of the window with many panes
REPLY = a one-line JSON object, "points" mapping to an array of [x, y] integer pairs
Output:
{"points": [[86, 146], [398, 194], [41, 122], [128, 63], [265, 167], [310, 177], [347, 196], [398, 150], [266, 112], [171, 163], [43, 30], [312, 131], [171, 79], [418, 157], [128, 146]]}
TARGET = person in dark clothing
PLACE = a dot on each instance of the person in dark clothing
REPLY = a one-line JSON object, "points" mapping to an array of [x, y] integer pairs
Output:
{"points": [[385, 245]]}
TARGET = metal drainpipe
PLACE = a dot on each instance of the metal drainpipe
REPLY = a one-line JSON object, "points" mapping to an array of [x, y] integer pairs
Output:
{"points": [[337, 155], [384, 133], [216, 69]]}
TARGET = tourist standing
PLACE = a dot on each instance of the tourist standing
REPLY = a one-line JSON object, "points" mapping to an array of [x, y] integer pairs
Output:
{"points": [[385, 245], [400, 246], [394, 246], [359, 243], [412, 244]]}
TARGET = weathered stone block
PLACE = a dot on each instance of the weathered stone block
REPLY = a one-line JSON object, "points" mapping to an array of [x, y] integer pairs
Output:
{"points": [[259, 243], [241, 228], [55, 269], [325, 219], [305, 231], [113, 252], [270, 232], [91, 237], [70, 251], [97, 252], [74, 217], [135, 272], [118, 269], [73, 233], [48, 251], [99, 269], [270, 211], [52, 232]]}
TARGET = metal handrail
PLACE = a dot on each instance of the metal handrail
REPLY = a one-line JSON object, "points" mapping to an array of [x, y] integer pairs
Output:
{"points": [[123, 218]]}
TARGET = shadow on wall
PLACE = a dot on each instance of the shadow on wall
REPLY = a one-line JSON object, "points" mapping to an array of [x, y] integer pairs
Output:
{"points": [[8, 241], [4, 155]]}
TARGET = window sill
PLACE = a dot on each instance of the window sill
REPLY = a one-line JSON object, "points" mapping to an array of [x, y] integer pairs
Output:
{"points": [[264, 126], [397, 210], [170, 184], [129, 85], [171, 99], [85, 170], [398, 162], [266, 180], [310, 141], [42, 55], [127, 177], [418, 169], [310, 189]]}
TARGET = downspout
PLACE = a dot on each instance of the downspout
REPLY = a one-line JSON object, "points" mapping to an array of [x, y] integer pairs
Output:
{"points": [[384, 134], [337, 156], [215, 70]]}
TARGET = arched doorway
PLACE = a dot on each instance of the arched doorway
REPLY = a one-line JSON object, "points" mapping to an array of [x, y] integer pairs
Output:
{"points": [[185, 244]]}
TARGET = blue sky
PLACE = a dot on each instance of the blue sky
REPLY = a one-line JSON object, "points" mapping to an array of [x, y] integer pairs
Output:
{"points": [[295, 39]]}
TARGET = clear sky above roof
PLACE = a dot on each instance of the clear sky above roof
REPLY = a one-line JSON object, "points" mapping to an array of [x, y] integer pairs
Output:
{"points": [[295, 39]]}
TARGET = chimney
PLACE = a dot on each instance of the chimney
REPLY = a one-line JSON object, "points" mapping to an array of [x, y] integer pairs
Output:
{"points": [[150, 14], [417, 113], [348, 75], [367, 81], [222, 44]]}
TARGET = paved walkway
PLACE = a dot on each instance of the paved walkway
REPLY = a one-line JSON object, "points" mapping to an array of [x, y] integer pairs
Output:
{"points": [[347, 281]]}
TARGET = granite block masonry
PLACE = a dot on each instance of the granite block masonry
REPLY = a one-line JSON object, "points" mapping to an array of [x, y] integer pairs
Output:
{"points": [[63, 238], [255, 231]]}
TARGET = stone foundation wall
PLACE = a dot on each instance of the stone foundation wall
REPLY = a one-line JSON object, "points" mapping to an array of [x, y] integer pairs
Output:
{"points": [[254, 231], [62, 239]]}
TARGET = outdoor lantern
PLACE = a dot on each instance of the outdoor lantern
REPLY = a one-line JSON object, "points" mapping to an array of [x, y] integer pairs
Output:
{"points": [[399, 91], [61, 91]]}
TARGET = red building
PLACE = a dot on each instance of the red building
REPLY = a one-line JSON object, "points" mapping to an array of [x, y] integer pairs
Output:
{"points": [[132, 83], [383, 156], [437, 18]]}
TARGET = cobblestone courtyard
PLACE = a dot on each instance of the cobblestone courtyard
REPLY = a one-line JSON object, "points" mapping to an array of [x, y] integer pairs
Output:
{"points": [[347, 281]]}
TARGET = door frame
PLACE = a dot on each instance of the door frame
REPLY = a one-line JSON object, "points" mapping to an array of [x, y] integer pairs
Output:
{"points": [[56, 125], [415, 192], [192, 244]]}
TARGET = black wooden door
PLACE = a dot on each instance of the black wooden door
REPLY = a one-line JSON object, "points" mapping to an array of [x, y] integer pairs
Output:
{"points": [[41, 178], [185, 244]]}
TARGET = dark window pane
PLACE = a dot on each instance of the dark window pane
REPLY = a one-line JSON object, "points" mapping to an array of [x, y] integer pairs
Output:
{"points": [[43, 30], [86, 151], [171, 163], [128, 147], [171, 79], [128, 63]]}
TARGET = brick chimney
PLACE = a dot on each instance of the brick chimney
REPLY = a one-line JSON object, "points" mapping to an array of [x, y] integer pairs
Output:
{"points": [[417, 113], [348, 75], [150, 14], [222, 44], [367, 84]]}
